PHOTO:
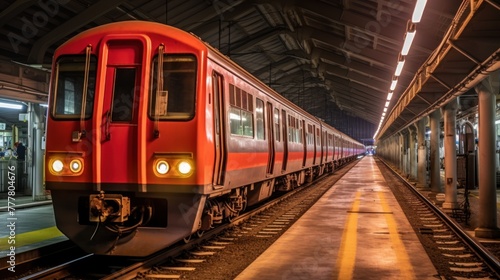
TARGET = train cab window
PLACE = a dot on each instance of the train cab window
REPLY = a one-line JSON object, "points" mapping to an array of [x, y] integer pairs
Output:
{"points": [[123, 95], [176, 100], [259, 118], [68, 87]]}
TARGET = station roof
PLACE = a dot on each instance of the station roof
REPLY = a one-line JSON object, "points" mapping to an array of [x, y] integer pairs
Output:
{"points": [[336, 59]]}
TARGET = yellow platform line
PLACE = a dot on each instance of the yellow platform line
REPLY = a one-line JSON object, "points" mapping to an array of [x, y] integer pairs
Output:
{"points": [[347, 253], [27, 238], [404, 263]]}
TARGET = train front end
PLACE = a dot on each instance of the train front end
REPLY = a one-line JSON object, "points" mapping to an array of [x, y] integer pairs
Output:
{"points": [[127, 124]]}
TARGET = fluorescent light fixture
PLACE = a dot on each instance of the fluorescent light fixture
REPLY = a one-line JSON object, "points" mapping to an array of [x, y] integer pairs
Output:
{"points": [[383, 114], [399, 67], [393, 84], [387, 104], [389, 96], [11, 106], [410, 34], [419, 10], [44, 105], [385, 109]]}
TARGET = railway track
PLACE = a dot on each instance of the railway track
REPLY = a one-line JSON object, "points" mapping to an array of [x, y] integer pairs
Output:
{"points": [[265, 222], [455, 254]]}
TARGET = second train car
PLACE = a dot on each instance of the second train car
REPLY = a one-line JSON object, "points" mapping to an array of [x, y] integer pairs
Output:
{"points": [[153, 135]]}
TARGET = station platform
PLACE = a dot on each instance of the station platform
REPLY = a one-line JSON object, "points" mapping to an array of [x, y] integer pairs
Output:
{"points": [[27, 225], [357, 230]]}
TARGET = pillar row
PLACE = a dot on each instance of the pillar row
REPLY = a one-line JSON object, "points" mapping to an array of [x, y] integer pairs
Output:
{"points": [[487, 223]]}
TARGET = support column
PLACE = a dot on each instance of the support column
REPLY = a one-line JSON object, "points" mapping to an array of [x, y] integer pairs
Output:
{"points": [[404, 156], [450, 159], [393, 150], [422, 153], [487, 223], [401, 147], [38, 190], [434, 158], [412, 133]]}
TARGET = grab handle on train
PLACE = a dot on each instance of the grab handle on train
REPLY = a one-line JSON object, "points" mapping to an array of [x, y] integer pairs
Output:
{"points": [[107, 134]]}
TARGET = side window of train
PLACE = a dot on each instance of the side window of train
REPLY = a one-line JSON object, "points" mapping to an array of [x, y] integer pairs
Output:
{"points": [[240, 112], [68, 87], [295, 130], [259, 119], [175, 100]]}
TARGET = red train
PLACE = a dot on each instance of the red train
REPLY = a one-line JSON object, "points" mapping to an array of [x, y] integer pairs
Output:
{"points": [[153, 135]]}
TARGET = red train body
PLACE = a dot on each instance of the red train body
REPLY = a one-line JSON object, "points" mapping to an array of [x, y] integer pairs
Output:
{"points": [[153, 135]]}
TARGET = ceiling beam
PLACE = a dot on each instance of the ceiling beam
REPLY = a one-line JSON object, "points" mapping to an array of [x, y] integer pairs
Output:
{"points": [[65, 29], [14, 9]]}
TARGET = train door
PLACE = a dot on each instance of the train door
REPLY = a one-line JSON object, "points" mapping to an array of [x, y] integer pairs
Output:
{"points": [[119, 137], [304, 141], [325, 146], [315, 140], [218, 87], [270, 139], [335, 147], [320, 143], [285, 139]]}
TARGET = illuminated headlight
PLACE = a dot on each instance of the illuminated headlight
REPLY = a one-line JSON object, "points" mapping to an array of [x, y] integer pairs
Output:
{"points": [[57, 165], [162, 167], [75, 166], [184, 167]]}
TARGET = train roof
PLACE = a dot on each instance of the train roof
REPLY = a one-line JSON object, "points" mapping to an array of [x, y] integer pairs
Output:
{"points": [[138, 27], [214, 53]]}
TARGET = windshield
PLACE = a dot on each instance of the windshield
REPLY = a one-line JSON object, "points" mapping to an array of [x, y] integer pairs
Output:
{"points": [[68, 89], [175, 101]]}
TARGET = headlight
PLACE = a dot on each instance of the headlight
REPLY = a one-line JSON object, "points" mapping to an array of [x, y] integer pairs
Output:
{"points": [[75, 166], [162, 167], [172, 166], [65, 164], [57, 165], [184, 167]]}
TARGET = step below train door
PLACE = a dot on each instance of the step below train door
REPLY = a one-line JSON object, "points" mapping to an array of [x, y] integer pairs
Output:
{"points": [[119, 114]]}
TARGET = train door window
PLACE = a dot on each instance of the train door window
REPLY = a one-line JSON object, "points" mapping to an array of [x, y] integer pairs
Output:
{"points": [[176, 99], [300, 134], [310, 135], [277, 124], [123, 95], [259, 119], [68, 87]]}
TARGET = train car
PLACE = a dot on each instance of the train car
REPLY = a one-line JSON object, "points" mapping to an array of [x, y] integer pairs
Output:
{"points": [[153, 136]]}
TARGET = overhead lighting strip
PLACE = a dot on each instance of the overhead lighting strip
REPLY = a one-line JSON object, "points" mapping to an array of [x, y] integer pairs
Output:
{"points": [[408, 40], [11, 106]]}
